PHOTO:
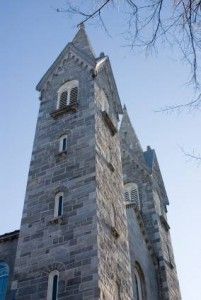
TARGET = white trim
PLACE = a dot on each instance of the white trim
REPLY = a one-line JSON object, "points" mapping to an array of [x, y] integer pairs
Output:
{"points": [[50, 284]]}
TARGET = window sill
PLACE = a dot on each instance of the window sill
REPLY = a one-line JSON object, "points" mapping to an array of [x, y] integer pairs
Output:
{"points": [[59, 112], [109, 123], [133, 204], [115, 232], [62, 153], [57, 220]]}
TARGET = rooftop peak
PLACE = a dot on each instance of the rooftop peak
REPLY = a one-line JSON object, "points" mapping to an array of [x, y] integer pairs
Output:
{"points": [[128, 133], [81, 41]]}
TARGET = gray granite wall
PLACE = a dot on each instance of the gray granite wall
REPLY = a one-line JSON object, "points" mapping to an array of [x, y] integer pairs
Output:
{"points": [[113, 251], [141, 254], [68, 245], [149, 180]]}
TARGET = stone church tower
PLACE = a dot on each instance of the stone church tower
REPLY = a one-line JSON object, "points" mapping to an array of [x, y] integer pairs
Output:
{"points": [[94, 222]]}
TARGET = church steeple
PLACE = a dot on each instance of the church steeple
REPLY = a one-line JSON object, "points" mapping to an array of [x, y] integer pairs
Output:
{"points": [[82, 43], [129, 137], [80, 47]]}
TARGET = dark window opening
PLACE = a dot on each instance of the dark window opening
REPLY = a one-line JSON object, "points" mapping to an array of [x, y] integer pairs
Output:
{"points": [[64, 144], [60, 206], [55, 287]]}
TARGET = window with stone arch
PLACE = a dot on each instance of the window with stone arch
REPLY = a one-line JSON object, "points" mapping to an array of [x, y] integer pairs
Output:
{"points": [[53, 282], [132, 194], [4, 273], [67, 94], [139, 287], [58, 205]]}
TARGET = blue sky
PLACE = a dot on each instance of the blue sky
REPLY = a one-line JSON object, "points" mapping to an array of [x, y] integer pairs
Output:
{"points": [[32, 34]]}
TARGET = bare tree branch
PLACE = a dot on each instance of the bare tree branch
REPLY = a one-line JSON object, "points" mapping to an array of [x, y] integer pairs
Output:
{"points": [[149, 22], [192, 156]]}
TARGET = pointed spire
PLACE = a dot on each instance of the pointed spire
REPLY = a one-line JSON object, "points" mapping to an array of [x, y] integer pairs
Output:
{"points": [[128, 135], [81, 41]]}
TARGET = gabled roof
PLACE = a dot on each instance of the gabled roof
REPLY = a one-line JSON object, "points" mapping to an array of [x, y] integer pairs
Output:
{"points": [[129, 136], [9, 236], [153, 165], [81, 41], [80, 46], [104, 62]]}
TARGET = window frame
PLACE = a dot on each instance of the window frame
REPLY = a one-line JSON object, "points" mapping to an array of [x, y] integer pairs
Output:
{"points": [[140, 284], [128, 190], [67, 87], [57, 205], [61, 143], [50, 288]]}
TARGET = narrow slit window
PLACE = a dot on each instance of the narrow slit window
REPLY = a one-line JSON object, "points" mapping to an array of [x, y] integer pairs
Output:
{"points": [[63, 143], [53, 281], [60, 205], [58, 209], [55, 287]]}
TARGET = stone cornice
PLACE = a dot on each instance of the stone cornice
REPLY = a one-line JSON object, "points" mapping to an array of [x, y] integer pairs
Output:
{"points": [[9, 236]]}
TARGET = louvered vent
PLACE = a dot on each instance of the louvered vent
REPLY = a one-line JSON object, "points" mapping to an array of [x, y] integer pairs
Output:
{"points": [[63, 99], [134, 196], [131, 194], [73, 95], [126, 196]]}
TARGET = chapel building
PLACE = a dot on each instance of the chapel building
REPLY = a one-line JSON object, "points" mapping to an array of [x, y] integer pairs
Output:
{"points": [[94, 223]]}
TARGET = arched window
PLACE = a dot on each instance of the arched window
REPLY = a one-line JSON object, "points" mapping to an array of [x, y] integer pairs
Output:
{"points": [[63, 143], [58, 207], [53, 280], [139, 287], [67, 94], [4, 272], [131, 193]]}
